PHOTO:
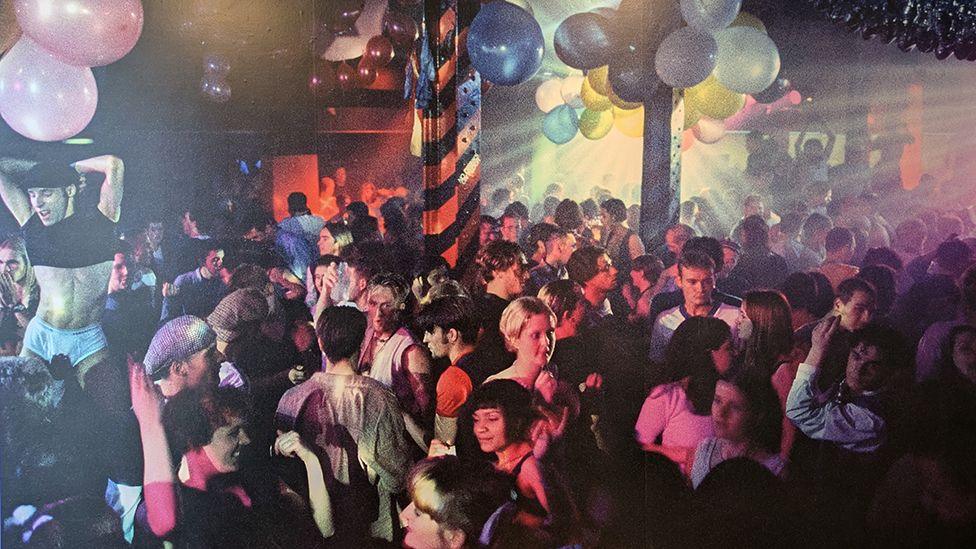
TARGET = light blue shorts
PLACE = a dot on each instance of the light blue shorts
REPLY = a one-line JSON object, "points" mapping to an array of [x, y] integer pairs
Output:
{"points": [[46, 341]]}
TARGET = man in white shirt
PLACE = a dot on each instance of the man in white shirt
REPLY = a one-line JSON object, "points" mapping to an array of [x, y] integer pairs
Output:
{"points": [[852, 414], [696, 279], [300, 220]]}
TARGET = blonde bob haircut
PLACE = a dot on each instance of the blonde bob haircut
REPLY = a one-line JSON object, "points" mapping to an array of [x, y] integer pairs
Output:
{"points": [[517, 315]]}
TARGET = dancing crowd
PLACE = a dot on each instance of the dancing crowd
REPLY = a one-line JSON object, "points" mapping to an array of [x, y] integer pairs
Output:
{"points": [[803, 376]]}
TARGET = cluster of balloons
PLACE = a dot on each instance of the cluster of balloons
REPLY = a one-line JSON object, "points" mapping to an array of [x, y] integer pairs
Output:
{"points": [[717, 59], [366, 30], [47, 89], [214, 85], [722, 56], [505, 42], [588, 105]]}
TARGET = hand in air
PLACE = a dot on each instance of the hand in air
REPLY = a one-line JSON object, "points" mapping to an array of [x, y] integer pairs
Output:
{"points": [[824, 331], [146, 402], [8, 290], [290, 445]]}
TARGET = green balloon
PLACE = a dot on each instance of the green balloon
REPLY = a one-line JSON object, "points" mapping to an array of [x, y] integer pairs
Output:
{"points": [[595, 124]]}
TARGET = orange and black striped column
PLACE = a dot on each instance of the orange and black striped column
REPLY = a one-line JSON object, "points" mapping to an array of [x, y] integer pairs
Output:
{"points": [[451, 126]]}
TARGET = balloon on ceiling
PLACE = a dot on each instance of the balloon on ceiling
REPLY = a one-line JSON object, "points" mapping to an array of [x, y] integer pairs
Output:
{"points": [[352, 23], [357, 40], [47, 89]]}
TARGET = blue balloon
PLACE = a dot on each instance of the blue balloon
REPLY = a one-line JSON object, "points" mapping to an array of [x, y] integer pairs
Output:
{"points": [[561, 124], [583, 41], [505, 44]]}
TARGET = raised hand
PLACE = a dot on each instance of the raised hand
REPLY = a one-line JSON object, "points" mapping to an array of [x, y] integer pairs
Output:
{"points": [[824, 331], [821, 337], [8, 291], [146, 403], [290, 445]]}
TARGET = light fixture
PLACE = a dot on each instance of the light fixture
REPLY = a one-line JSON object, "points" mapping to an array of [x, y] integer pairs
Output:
{"points": [[78, 141]]}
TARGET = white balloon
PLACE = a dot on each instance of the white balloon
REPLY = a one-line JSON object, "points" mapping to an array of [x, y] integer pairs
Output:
{"points": [[549, 95], [570, 90], [710, 15], [747, 61], [685, 57], [43, 98], [709, 130], [369, 24]]}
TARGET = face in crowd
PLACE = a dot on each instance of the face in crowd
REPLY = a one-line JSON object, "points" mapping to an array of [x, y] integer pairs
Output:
{"points": [[51, 204], [489, 429], [119, 279], [12, 264], [382, 309], [326, 242], [696, 285], [202, 368], [226, 444], [730, 412], [510, 228], [437, 341], [857, 312], [865, 369], [606, 274], [536, 341], [514, 278]]}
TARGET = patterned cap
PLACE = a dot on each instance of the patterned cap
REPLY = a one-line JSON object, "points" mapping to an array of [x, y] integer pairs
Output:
{"points": [[236, 309], [178, 339]]}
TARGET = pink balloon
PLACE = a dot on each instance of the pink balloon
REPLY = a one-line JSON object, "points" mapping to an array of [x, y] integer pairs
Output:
{"points": [[43, 98], [86, 33]]}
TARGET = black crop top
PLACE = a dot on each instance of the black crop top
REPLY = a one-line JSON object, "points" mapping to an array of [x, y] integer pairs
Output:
{"points": [[79, 240]]}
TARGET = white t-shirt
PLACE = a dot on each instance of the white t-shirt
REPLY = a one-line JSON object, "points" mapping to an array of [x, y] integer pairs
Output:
{"points": [[668, 321]]}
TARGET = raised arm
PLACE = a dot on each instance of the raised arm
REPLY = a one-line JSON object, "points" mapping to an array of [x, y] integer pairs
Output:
{"points": [[829, 147], [290, 444], [16, 199], [110, 195], [159, 481]]}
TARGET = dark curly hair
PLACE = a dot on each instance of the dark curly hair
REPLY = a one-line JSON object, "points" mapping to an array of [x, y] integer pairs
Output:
{"points": [[191, 417]]}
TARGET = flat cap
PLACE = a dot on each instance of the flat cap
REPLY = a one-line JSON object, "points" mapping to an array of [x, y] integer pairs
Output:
{"points": [[236, 309], [178, 339]]}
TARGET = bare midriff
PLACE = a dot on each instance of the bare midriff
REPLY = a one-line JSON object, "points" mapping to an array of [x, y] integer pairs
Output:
{"points": [[72, 298]]}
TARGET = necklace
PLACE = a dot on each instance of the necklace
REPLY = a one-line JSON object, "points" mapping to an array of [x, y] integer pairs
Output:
{"points": [[375, 345]]}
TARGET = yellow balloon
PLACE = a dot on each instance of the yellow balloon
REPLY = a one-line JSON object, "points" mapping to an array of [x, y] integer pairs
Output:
{"points": [[595, 124], [629, 122], [592, 99], [691, 116], [600, 79], [748, 20], [618, 102], [714, 100]]}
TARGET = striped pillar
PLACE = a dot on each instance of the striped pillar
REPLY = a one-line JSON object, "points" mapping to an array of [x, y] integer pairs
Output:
{"points": [[451, 128]]}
